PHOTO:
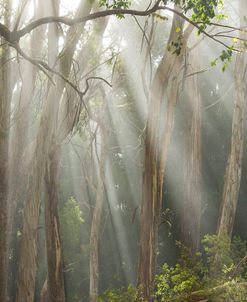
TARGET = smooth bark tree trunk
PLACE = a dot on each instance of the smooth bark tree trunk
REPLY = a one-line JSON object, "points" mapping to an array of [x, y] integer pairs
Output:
{"points": [[5, 107], [166, 80], [4, 145], [55, 279], [18, 165], [96, 222], [28, 255], [56, 292], [234, 163], [191, 216]]}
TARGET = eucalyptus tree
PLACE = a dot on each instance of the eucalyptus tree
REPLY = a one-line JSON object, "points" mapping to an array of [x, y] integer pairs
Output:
{"points": [[191, 216], [20, 148], [45, 146], [165, 82], [234, 163], [44, 161], [5, 98]]}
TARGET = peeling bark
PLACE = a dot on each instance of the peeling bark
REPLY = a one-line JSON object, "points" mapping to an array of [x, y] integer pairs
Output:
{"points": [[166, 80]]}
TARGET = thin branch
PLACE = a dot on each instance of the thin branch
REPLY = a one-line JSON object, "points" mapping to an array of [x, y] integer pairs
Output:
{"points": [[44, 67], [14, 36], [198, 27], [229, 26], [70, 22]]}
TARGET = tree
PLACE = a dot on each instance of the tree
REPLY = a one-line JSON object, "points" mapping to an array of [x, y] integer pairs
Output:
{"points": [[191, 216], [45, 136], [166, 80], [59, 117], [234, 163], [5, 88]]}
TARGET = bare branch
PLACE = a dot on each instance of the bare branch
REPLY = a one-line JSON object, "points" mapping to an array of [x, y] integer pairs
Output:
{"points": [[70, 22]]}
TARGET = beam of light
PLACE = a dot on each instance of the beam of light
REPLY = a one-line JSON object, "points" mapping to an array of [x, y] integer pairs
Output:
{"points": [[122, 237]]}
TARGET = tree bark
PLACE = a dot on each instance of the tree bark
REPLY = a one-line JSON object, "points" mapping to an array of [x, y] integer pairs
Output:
{"points": [[4, 141], [166, 80], [56, 292], [28, 251], [191, 216], [28, 254], [234, 163], [18, 165], [5, 99]]}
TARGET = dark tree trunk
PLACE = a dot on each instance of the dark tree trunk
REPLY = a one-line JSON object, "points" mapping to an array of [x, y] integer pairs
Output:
{"points": [[56, 292]]}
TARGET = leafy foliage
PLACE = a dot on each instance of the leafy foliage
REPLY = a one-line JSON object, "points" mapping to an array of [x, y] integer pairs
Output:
{"points": [[202, 10], [71, 221], [120, 295], [209, 275], [115, 4]]}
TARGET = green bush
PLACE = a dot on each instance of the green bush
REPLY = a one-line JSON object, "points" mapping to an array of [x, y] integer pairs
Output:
{"points": [[213, 275], [120, 295]]}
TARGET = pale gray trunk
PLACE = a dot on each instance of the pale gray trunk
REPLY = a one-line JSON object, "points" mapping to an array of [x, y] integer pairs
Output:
{"points": [[4, 142], [234, 163], [191, 216], [5, 99], [28, 254], [18, 165], [28, 251]]}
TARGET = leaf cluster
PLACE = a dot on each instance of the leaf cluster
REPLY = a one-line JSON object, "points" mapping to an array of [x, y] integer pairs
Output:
{"points": [[201, 276], [120, 295], [203, 11], [115, 4]]}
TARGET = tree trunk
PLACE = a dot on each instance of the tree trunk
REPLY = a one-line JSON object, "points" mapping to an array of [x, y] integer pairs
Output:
{"points": [[56, 292], [4, 141], [55, 280], [96, 223], [166, 80], [191, 217], [234, 164], [18, 166], [28, 254], [5, 100]]}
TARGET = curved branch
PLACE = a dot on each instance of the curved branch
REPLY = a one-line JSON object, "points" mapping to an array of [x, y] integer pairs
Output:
{"points": [[70, 22], [14, 36]]}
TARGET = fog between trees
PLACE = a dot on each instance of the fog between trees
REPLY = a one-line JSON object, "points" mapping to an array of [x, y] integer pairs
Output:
{"points": [[123, 150]]}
